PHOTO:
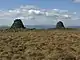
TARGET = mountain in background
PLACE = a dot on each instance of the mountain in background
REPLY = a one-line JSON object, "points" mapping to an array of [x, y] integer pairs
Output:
{"points": [[73, 26], [47, 26], [39, 26], [4, 27]]}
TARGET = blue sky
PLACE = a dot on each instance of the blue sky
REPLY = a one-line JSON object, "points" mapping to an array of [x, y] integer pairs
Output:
{"points": [[67, 11], [59, 4]]}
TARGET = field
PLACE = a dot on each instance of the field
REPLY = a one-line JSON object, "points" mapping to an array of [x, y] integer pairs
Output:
{"points": [[40, 45]]}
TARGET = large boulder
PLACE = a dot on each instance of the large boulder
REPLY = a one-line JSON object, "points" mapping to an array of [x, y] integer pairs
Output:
{"points": [[17, 24], [60, 25]]}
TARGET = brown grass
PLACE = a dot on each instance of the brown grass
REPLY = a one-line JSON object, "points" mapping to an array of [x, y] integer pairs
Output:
{"points": [[40, 45]]}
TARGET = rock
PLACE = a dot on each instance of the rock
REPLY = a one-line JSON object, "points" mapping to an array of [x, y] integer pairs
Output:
{"points": [[17, 24], [60, 25]]}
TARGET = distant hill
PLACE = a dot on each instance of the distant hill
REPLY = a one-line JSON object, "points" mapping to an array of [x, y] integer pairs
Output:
{"points": [[4, 27], [47, 26], [40, 26], [73, 26]]}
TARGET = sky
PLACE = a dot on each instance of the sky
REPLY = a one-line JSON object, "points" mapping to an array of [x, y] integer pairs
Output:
{"points": [[40, 12], [60, 4], [49, 4]]}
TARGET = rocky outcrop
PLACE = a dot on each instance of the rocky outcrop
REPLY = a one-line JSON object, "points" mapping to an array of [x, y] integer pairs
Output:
{"points": [[60, 25], [17, 24]]}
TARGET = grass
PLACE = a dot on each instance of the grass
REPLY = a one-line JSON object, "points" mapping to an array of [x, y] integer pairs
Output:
{"points": [[40, 45]]}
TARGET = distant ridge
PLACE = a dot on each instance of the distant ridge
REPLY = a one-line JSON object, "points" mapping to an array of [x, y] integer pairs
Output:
{"points": [[40, 26], [47, 26], [73, 27], [4, 27]]}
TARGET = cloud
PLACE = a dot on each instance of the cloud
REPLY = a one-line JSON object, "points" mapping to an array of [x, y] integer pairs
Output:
{"points": [[32, 15], [76, 1]]}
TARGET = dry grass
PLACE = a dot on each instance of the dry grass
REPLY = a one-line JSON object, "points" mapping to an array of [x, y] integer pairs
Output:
{"points": [[40, 45]]}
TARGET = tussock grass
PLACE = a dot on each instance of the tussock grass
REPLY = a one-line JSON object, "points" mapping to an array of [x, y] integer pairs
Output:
{"points": [[40, 45]]}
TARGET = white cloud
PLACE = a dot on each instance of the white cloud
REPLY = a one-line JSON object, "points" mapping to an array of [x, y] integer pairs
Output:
{"points": [[76, 1], [36, 16], [35, 11]]}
